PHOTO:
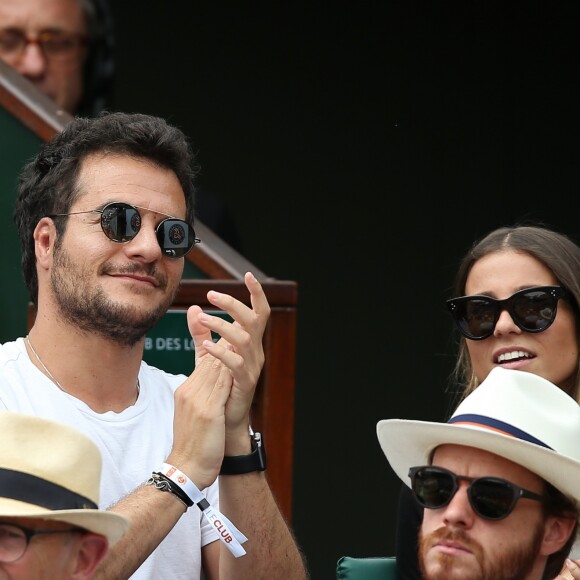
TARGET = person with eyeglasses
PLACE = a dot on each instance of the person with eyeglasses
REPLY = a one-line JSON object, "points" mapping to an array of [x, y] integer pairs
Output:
{"points": [[515, 305], [64, 47], [50, 524], [105, 214], [497, 483]]}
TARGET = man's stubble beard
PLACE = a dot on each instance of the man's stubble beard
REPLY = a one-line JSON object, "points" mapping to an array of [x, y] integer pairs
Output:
{"points": [[90, 310]]}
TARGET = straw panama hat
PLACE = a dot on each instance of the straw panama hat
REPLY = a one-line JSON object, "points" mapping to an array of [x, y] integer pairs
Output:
{"points": [[517, 415], [51, 471]]}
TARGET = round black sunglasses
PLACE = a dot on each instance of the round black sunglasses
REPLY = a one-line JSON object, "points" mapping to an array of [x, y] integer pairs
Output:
{"points": [[533, 310], [491, 498], [121, 222]]}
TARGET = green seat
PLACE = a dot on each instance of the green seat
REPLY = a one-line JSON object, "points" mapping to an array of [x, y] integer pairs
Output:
{"points": [[378, 568]]}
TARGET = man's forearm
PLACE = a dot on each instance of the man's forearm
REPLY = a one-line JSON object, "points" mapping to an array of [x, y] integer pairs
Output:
{"points": [[271, 549], [152, 514]]}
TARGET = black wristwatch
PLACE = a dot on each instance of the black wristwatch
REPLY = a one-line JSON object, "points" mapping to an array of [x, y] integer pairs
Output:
{"points": [[255, 461]]}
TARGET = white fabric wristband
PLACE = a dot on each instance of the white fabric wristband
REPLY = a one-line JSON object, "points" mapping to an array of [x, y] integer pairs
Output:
{"points": [[228, 533], [178, 477]]}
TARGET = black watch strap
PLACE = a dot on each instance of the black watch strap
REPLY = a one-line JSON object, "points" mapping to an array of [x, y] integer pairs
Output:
{"points": [[255, 461]]}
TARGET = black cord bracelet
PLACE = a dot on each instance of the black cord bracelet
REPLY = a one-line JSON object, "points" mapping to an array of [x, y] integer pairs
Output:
{"points": [[163, 483]]}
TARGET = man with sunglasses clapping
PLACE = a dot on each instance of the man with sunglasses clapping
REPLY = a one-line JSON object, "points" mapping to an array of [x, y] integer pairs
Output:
{"points": [[498, 482], [105, 213]]}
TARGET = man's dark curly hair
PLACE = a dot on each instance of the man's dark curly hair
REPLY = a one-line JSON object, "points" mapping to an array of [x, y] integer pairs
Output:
{"points": [[48, 184]]}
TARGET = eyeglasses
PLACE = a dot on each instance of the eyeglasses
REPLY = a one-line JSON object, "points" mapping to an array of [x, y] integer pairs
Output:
{"points": [[491, 498], [532, 310], [14, 540], [121, 222], [54, 44]]}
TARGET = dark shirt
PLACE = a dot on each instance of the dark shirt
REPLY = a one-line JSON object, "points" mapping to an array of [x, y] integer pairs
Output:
{"points": [[409, 519]]}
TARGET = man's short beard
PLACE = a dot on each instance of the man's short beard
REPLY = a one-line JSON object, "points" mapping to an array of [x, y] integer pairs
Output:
{"points": [[510, 566], [90, 310]]}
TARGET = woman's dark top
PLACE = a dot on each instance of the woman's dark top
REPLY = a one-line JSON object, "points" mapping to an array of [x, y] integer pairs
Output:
{"points": [[409, 519]]}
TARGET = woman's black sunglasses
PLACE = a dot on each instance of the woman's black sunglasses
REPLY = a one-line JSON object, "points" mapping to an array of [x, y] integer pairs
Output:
{"points": [[533, 310], [491, 498], [121, 222]]}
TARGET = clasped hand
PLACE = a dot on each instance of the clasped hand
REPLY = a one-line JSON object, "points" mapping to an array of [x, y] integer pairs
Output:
{"points": [[212, 407]]}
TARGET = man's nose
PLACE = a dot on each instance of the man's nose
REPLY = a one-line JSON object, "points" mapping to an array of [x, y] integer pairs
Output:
{"points": [[459, 511], [31, 62]]}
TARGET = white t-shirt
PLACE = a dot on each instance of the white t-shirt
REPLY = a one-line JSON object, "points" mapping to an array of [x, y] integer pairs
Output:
{"points": [[133, 443]]}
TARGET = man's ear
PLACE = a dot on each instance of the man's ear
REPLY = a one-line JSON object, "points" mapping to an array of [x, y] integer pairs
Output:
{"points": [[44, 239], [557, 531], [91, 550]]}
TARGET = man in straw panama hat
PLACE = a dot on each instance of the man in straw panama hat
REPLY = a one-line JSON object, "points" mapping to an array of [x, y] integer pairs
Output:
{"points": [[50, 525], [500, 481]]}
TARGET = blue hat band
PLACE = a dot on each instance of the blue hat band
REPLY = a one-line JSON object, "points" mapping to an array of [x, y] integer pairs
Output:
{"points": [[497, 426]]}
